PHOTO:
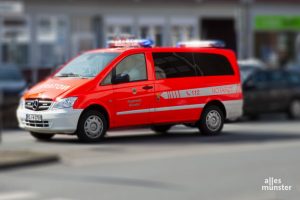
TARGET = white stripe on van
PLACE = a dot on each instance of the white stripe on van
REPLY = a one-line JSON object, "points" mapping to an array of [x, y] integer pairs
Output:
{"points": [[198, 92], [161, 109], [170, 108]]}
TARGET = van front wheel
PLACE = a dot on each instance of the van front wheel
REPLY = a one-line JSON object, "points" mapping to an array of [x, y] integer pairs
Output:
{"points": [[92, 126], [211, 121]]}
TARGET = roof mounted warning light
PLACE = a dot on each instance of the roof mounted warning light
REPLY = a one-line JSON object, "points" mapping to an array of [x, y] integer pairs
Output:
{"points": [[202, 43], [130, 43]]}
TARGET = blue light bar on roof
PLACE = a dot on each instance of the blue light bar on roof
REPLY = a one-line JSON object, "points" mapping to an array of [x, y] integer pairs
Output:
{"points": [[202, 43], [127, 43]]}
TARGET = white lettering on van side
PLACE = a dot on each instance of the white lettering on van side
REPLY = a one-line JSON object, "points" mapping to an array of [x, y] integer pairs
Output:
{"points": [[198, 92], [56, 86]]}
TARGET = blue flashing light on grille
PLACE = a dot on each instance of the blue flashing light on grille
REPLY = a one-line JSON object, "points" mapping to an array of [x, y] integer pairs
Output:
{"points": [[130, 43], [202, 43]]}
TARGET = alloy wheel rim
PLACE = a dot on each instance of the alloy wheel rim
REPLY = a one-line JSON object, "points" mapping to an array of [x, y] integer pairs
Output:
{"points": [[93, 126], [213, 120]]}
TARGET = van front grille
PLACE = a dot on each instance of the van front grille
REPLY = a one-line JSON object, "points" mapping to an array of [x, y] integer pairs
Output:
{"points": [[38, 104]]}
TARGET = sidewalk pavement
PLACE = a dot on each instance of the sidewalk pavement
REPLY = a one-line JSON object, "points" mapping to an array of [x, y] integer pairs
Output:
{"points": [[12, 159]]}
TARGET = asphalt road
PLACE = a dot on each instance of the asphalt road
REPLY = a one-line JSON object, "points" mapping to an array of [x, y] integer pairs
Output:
{"points": [[137, 164]]}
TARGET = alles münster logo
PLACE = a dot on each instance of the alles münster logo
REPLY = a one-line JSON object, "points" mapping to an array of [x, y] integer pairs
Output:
{"points": [[275, 184]]}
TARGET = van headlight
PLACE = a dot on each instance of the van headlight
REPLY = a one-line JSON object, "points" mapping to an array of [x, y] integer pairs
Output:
{"points": [[64, 103]]}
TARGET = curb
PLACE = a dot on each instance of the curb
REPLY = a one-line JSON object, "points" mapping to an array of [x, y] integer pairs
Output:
{"points": [[32, 160]]}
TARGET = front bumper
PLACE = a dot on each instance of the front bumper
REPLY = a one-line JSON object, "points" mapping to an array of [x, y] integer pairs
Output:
{"points": [[54, 121]]}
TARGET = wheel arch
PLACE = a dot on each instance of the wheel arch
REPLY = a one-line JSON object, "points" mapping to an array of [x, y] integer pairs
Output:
{"points": [[216, 103], [99, 108]]}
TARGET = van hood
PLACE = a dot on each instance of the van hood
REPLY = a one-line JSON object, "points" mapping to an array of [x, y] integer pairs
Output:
{"points": [[54, 87]]}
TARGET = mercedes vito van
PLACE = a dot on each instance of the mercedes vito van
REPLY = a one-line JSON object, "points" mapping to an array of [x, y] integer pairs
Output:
{"points": [[131, 84]]}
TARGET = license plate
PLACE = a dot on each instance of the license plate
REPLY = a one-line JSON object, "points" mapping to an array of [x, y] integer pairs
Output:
{"points": [[33, 117]]}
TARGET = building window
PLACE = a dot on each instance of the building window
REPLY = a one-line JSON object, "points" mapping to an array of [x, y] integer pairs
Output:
{"points": [[277, 40], [15, 41], [118, 31], [51, 39], [181, 33], [152, 32], [278, 49]]}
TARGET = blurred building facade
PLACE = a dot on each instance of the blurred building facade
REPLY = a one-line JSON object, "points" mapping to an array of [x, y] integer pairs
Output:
{"points": [[37, 35]]}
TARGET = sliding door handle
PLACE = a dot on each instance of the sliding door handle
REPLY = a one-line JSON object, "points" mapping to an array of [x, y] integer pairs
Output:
{"points": [[147, 87]]}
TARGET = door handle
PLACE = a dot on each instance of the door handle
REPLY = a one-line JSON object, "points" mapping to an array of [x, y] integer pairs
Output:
{"points": [[147, 87]]}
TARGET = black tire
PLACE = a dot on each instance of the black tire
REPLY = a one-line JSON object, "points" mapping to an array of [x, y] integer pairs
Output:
{"points": [[42, 136], [216, 126], [92, 126], [294, 109], [161, 129]]}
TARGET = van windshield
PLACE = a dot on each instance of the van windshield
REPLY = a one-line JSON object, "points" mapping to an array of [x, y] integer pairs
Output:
{"points": [[87, 65]]}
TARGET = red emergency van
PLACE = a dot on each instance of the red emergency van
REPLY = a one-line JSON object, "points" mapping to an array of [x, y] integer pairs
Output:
{"points": [[131, 84]]}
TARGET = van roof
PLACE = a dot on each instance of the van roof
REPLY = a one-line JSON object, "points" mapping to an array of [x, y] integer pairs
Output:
{"points": [[162, 49]]}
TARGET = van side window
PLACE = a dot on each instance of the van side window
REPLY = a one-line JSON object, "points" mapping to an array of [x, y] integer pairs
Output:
{"points": [[174, 65], [213, 64], [134, 66], [178, 64], [107, 80]]}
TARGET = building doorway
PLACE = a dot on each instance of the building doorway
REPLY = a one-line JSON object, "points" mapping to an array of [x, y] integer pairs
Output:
{"points": [[219, 29]]}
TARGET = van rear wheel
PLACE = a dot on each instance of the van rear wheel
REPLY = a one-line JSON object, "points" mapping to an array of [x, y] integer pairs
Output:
{"points": [[92, 126], [42, 136], [211, 121]]}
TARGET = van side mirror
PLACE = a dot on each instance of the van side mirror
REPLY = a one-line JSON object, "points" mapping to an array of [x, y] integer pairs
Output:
{"points": [[120, 78]]}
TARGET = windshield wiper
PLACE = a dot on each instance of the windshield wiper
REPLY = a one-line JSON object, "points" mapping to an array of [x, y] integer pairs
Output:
{"points": [[68, 75]]}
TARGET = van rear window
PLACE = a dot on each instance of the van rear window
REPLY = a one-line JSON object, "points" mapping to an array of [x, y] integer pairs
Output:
{"points": [[184, 64], [213, 64]]}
